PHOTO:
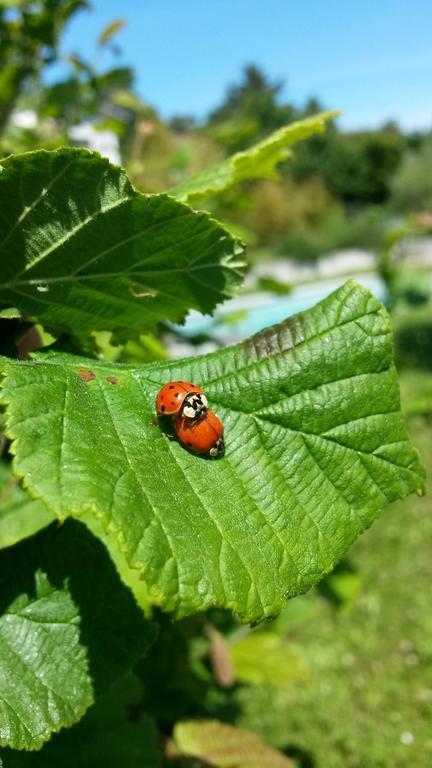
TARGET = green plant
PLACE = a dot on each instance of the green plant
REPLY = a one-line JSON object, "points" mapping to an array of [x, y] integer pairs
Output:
{"points": [[316, 446]]}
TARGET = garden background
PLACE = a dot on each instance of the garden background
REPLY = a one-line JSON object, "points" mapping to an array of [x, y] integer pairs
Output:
{"points": [[343, 677]]}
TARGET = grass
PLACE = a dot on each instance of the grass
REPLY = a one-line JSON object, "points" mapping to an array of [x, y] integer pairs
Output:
{"points": [[367, 642]]}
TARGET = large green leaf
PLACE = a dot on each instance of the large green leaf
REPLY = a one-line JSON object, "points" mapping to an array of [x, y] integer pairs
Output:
{"points": [[257, 162], [68, 628], [315, 447], [81, 250]]}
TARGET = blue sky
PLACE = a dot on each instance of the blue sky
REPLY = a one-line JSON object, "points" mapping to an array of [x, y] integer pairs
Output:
{"points": [[370, 58]]}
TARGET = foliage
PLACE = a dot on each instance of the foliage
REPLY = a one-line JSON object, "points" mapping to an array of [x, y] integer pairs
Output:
{"points": [[371, 662], [259, 161], [105, 736], [222, 746], [357, 168], [60, 643], [29, 40], [20, 515], [412, 184], [315, 442], [78, 240], [278, 211], [250, 111], [293, 444], [336, 230], [263, 658]]}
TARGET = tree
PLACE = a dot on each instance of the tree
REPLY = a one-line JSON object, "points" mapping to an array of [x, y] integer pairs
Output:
{"points": [[29, 35], [250, 110]]}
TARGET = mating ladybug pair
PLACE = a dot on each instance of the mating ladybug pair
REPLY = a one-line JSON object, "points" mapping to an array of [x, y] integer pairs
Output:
{"points": [[197, 428]]}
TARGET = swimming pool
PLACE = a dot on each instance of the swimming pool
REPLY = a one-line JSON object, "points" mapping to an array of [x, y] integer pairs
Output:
{"points": [[259, 310]]}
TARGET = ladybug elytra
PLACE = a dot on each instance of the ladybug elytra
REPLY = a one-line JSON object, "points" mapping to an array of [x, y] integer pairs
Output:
{"points": [[203, 436], [181, 398]]}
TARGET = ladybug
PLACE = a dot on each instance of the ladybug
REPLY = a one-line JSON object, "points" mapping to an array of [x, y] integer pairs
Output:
{"points": [[204, 435], [181, 398]]}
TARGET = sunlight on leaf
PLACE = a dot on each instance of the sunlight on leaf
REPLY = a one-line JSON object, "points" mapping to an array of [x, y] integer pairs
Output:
{"points": [[263, 658], [315, 448], [257, 162], [83, 251], [20, 515]]}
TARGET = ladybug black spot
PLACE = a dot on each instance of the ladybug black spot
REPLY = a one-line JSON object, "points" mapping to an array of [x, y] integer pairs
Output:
{"points": [[162, 408], [172, 386]]}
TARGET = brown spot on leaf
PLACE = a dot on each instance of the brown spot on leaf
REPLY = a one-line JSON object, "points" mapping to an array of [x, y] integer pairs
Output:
{"points": [[85, 375], [112, 379], [139, 293]]}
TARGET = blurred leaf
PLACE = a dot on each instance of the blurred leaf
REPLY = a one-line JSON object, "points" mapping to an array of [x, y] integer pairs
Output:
{"points": [[68, 628], [223, 746], [20, 515], [220, 657], [346, 586], [119, 78], [110, 31], [259, 161], [315, 447], [269, 283], [416, 387], [264, 658], [81, 250]]}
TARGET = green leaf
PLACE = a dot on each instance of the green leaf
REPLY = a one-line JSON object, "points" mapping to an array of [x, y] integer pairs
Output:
{"points": [[315, 447], [10, 313], [81, 250], [223, 746], [104, 737], [20, 515], [264, 658], [68, 628], [257, 162], [110, 31]]}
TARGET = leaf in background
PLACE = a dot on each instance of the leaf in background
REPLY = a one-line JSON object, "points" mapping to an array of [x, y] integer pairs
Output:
{"points": [[104, 737], [264, 658], [81, 250], [111, 30], [20, 515], [257, 162], [315, 447], [223, 746], [68, 628]]}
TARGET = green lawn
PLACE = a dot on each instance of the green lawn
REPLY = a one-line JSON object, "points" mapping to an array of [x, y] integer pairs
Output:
{"points": [[368, 699]]}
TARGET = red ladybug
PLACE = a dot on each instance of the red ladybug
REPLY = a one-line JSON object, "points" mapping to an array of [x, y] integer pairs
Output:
{"points": [[181, 398], [204, 435]]}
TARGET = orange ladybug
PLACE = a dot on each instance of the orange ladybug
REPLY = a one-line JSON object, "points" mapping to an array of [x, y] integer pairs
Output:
{"points": [[204, 435], [181, 398]]}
